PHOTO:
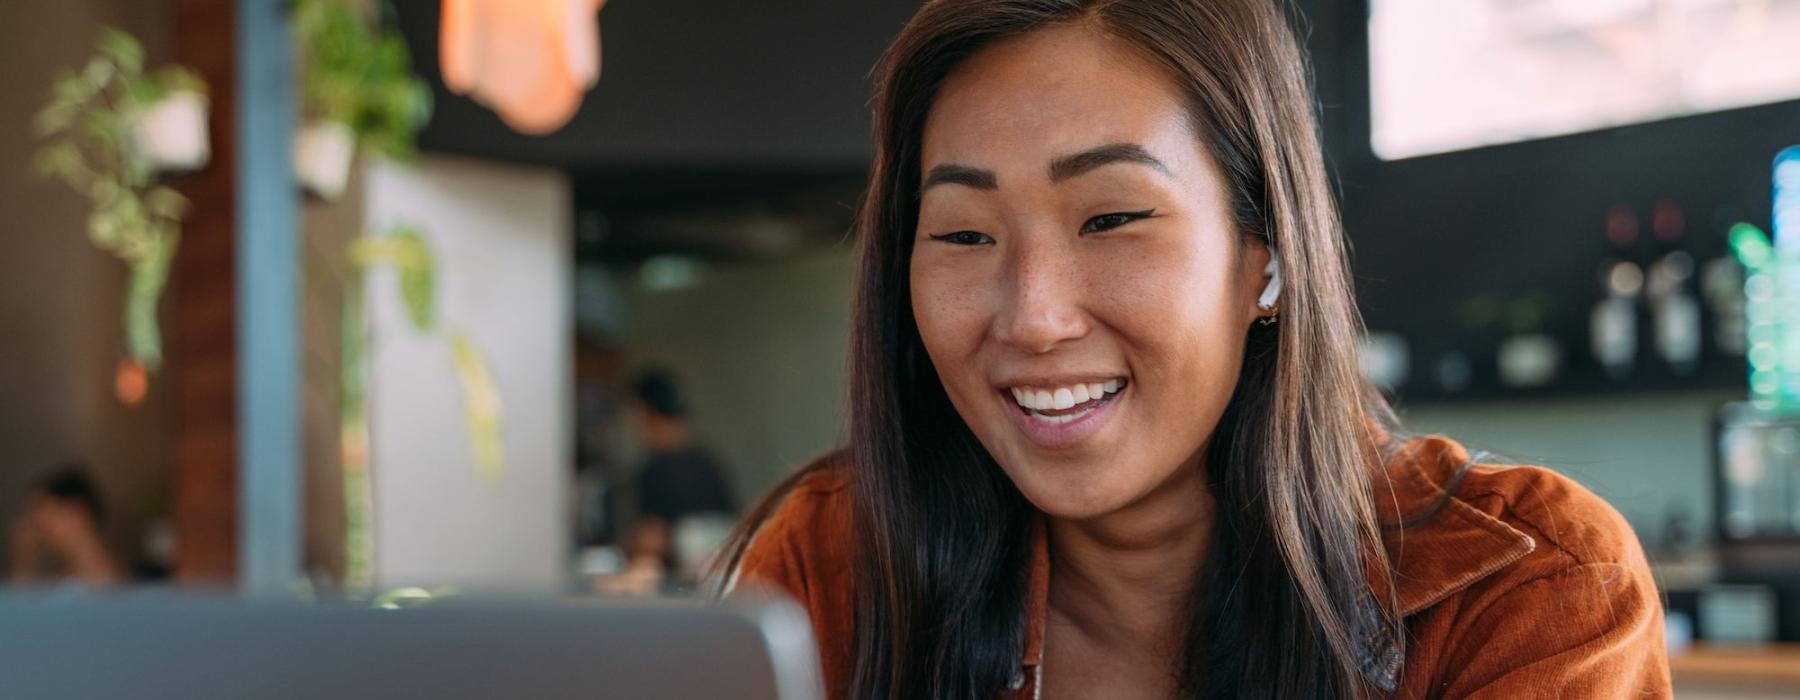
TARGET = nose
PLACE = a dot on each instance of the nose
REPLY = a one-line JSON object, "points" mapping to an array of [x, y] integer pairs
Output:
{"points": [[1042, 307]]}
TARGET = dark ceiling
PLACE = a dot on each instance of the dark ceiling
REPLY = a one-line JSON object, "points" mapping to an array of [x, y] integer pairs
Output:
{"points": [[720, 128], [694, 85]]}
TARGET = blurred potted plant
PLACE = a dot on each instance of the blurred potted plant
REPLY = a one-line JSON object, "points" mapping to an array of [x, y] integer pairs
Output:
{"points": [[107, 131], [358, 93], [406, 252], [171, 131]]}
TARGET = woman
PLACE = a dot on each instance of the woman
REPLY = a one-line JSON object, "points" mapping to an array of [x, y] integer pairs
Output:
{"points": [[1108, 437]]}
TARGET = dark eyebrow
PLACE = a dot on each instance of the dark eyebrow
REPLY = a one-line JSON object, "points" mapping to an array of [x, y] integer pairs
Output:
{"points": [[960, 175], [1079, 163]]}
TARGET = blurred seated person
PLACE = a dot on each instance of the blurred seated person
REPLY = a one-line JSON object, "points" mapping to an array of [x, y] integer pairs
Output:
{"points": [[56, 538], [679, 483]]}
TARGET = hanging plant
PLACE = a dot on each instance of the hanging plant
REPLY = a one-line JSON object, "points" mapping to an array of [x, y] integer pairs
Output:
{"points": [[106, 132], [358, 93], [408, 254]]}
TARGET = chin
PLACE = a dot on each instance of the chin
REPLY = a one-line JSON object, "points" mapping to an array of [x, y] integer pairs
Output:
{"points": [[1087, 493]]}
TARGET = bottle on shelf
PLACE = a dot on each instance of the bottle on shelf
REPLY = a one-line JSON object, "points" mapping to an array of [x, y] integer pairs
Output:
{"points": [[1613, 322], [1675, 311], [1613, 328]]}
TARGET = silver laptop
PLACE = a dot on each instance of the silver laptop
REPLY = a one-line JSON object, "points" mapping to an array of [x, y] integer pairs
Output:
{"points": [[223, 648]]}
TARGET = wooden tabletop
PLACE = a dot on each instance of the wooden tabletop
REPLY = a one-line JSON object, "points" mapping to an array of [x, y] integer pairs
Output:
{"points": [[1775, 665]]}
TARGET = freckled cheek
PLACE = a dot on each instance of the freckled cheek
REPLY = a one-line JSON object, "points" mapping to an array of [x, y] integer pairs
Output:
{"points": [[951, 316], [1157, 304], [1179, 330]]}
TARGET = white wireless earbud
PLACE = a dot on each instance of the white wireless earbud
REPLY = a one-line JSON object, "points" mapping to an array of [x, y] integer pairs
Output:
{"points": [[1271, 293]]}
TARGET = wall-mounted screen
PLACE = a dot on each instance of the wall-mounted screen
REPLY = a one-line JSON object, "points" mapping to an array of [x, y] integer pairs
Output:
{"points": [[1448, 75]]}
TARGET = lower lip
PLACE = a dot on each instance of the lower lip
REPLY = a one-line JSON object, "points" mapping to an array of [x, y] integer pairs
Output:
{"points": [[1062, 435]]}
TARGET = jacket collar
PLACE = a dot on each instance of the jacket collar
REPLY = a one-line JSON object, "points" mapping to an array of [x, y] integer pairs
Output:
{"points": [[1437, 543]]}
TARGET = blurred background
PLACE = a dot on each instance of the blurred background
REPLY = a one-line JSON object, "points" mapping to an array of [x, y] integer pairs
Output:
{"points": [[328, 297]]}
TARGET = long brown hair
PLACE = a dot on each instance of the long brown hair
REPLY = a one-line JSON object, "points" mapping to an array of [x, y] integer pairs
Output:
{"points": [[1283, 607]]}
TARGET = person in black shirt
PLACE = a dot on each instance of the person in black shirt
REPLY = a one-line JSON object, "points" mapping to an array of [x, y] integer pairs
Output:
{"points": [[679, 480]]}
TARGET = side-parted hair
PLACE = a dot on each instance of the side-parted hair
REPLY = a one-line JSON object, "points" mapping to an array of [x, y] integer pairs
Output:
{"points": [[1283, 607]]}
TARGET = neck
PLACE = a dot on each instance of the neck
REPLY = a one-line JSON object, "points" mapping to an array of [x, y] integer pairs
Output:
{"points": [[1125, 579]]}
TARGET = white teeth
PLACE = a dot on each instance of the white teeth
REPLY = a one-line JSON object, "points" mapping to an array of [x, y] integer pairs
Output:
{"points": [[1063, 398]]}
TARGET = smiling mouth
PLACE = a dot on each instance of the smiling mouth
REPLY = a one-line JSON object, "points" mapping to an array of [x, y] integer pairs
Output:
{"points": [[1063, 404]]}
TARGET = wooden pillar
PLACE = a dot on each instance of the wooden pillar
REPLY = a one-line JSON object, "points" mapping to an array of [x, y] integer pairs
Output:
{"points": [[204, 318]]}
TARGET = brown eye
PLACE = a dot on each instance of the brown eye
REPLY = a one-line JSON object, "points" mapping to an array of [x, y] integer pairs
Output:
{"points": [[1105, 222], [963, 238]]}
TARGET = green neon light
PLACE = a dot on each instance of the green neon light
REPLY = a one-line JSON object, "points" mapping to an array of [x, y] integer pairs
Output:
{"points": [[1751, 246]]}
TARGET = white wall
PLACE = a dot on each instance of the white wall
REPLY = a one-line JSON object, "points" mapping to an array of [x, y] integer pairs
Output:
{"points": [[501, 238], [759, 349]]}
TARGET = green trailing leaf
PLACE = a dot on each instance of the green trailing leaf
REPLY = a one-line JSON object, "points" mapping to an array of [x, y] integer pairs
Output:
{"points": [[177, 79], [122, 49], [165, 203], [107, 194], [104, 229], [54, 117], [410, 256], [144, 93], [481, 405], [58, 161], [418, 287], [149, 274], [96, 76], [69, 88], [101, 126], [134, 228]]}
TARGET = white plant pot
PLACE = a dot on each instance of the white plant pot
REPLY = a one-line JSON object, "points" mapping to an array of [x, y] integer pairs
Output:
{"points": [[323, 151], [172, 135]]}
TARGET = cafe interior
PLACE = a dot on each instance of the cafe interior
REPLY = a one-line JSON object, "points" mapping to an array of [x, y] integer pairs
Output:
{"points": [[393, 305]]}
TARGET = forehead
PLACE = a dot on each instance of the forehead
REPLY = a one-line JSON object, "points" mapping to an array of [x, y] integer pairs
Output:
{"points": [[1026, 100]]}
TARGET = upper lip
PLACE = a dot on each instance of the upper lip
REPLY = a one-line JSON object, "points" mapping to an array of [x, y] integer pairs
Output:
{"points": [[1052, 381]]}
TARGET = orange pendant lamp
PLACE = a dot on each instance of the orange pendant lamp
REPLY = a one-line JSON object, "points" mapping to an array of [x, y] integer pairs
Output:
{"points": [[531, 61]]}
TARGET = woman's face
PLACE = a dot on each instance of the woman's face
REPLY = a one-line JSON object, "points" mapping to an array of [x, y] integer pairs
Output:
{"points": [[1076, 276]]}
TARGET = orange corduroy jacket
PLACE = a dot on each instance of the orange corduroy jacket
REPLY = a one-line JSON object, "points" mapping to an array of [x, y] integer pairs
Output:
{"points": [[1522, 585]]}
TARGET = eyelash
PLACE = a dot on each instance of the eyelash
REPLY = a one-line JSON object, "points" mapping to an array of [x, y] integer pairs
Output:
{"points": [[1094, 225], [963, 238], [1122, 218]]}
